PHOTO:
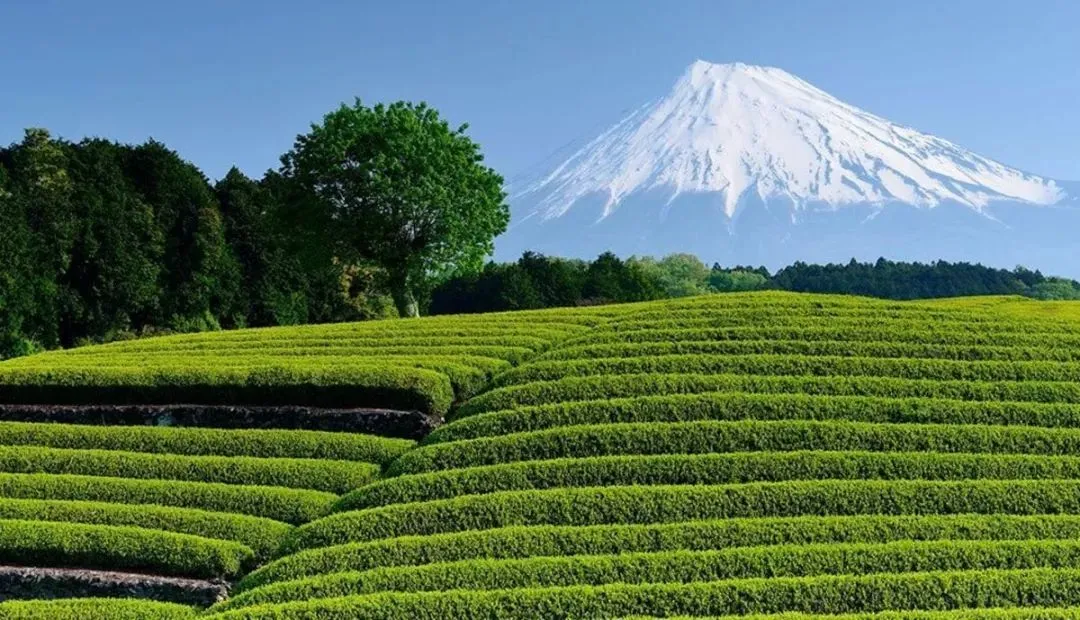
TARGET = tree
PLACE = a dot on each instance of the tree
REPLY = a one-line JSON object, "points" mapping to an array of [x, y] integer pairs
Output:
{"points": [[1057, 289], [403, 190], [16, 296], [200, 277], [248, 212], [112, 281], [682, 275], [557, 281], [610, 279], [42, 192], [730, 281]]}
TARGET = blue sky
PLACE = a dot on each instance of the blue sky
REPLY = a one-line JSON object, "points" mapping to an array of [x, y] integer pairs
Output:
{"points": [[233, 82]]}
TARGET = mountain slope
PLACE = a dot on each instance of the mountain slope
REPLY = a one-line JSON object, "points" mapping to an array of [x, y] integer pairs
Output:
{"points": [[684, 170]]}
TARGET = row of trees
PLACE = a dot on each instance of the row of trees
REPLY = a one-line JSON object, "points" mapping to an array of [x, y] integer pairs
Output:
{"points": [[100, 239], [899, 280], [537, 281], [366, 213]]}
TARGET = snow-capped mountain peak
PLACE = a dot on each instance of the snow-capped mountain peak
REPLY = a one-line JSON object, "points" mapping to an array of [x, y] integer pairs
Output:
{"points": [[738, 130]]}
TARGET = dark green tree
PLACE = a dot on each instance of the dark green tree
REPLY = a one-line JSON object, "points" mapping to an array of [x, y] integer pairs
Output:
{"points": [[271, 287], [557, 281], [16, 296], [42, 192], [200, 276], [309, 283], [112, 282], [610, 279], [403, 190]]}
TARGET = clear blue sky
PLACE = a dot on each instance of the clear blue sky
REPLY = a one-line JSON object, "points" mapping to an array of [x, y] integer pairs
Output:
{"points": [[232, 82]]}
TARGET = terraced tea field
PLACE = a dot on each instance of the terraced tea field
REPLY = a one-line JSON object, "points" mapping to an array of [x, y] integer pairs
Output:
{"points": [[757, 455]]}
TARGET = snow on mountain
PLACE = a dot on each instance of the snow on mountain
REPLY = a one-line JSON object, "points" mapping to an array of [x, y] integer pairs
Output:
{"points": [[740, 131]]}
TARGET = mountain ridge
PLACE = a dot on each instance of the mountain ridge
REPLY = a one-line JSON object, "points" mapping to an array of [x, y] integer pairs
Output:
{"points": [[736, 128], [737, 159]]}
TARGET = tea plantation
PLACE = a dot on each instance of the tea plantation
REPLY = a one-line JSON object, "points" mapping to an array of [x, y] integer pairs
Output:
{"points": [[766, 455]]}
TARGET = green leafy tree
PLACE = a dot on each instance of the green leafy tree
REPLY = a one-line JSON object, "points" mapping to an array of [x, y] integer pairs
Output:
{"points": [[557, 281], [200, 276], [271, 286], [1056, 289], [16, 296], [43, 189], [679, 275], [311, 284], [112, 281], [737, 279], [402, 189], [610, 279]]}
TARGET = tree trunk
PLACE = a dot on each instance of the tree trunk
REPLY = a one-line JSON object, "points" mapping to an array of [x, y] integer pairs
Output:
{"points": [[403, 298]]}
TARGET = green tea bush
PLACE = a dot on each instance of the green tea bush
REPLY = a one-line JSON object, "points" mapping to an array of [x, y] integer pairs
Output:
{"points": [[740, 406], [331, 385], [320, 348], [525, 338], [983, 613], [277, 503], [615, 386], [465, 378], [795, 365], [813, 347], [739, 436], [558, 540], [668, 469], [657, 504], [94, 609], [817, 332], [320, 475], [42, 543], [262, 535], [855, 321], [269, 443], [832, 594], [675, 567]]}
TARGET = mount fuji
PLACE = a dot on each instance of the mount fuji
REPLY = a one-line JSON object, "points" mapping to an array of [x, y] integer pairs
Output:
{"points": [[744, 164]]}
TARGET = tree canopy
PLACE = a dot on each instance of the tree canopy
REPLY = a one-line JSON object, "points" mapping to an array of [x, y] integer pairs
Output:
{"points": [[402, 190]]}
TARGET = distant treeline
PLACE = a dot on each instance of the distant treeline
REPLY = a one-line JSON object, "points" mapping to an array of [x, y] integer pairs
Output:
{"points": [[537, 281]]}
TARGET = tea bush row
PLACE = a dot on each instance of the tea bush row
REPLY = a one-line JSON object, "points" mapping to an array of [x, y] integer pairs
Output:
{"points": [[331, 385], [676, 567], [596, 387], [795, 365], [736, 436], [827, 332], [317, 474], [262, 535], [740, 406], [831, 594], [813, 347], [656, 504], [94, 609], [42, 543], [277, 503], [668, 469], [269, 443]]}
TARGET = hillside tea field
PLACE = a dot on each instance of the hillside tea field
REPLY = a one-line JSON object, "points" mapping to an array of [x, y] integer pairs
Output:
{"points": [[764, 455]]}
